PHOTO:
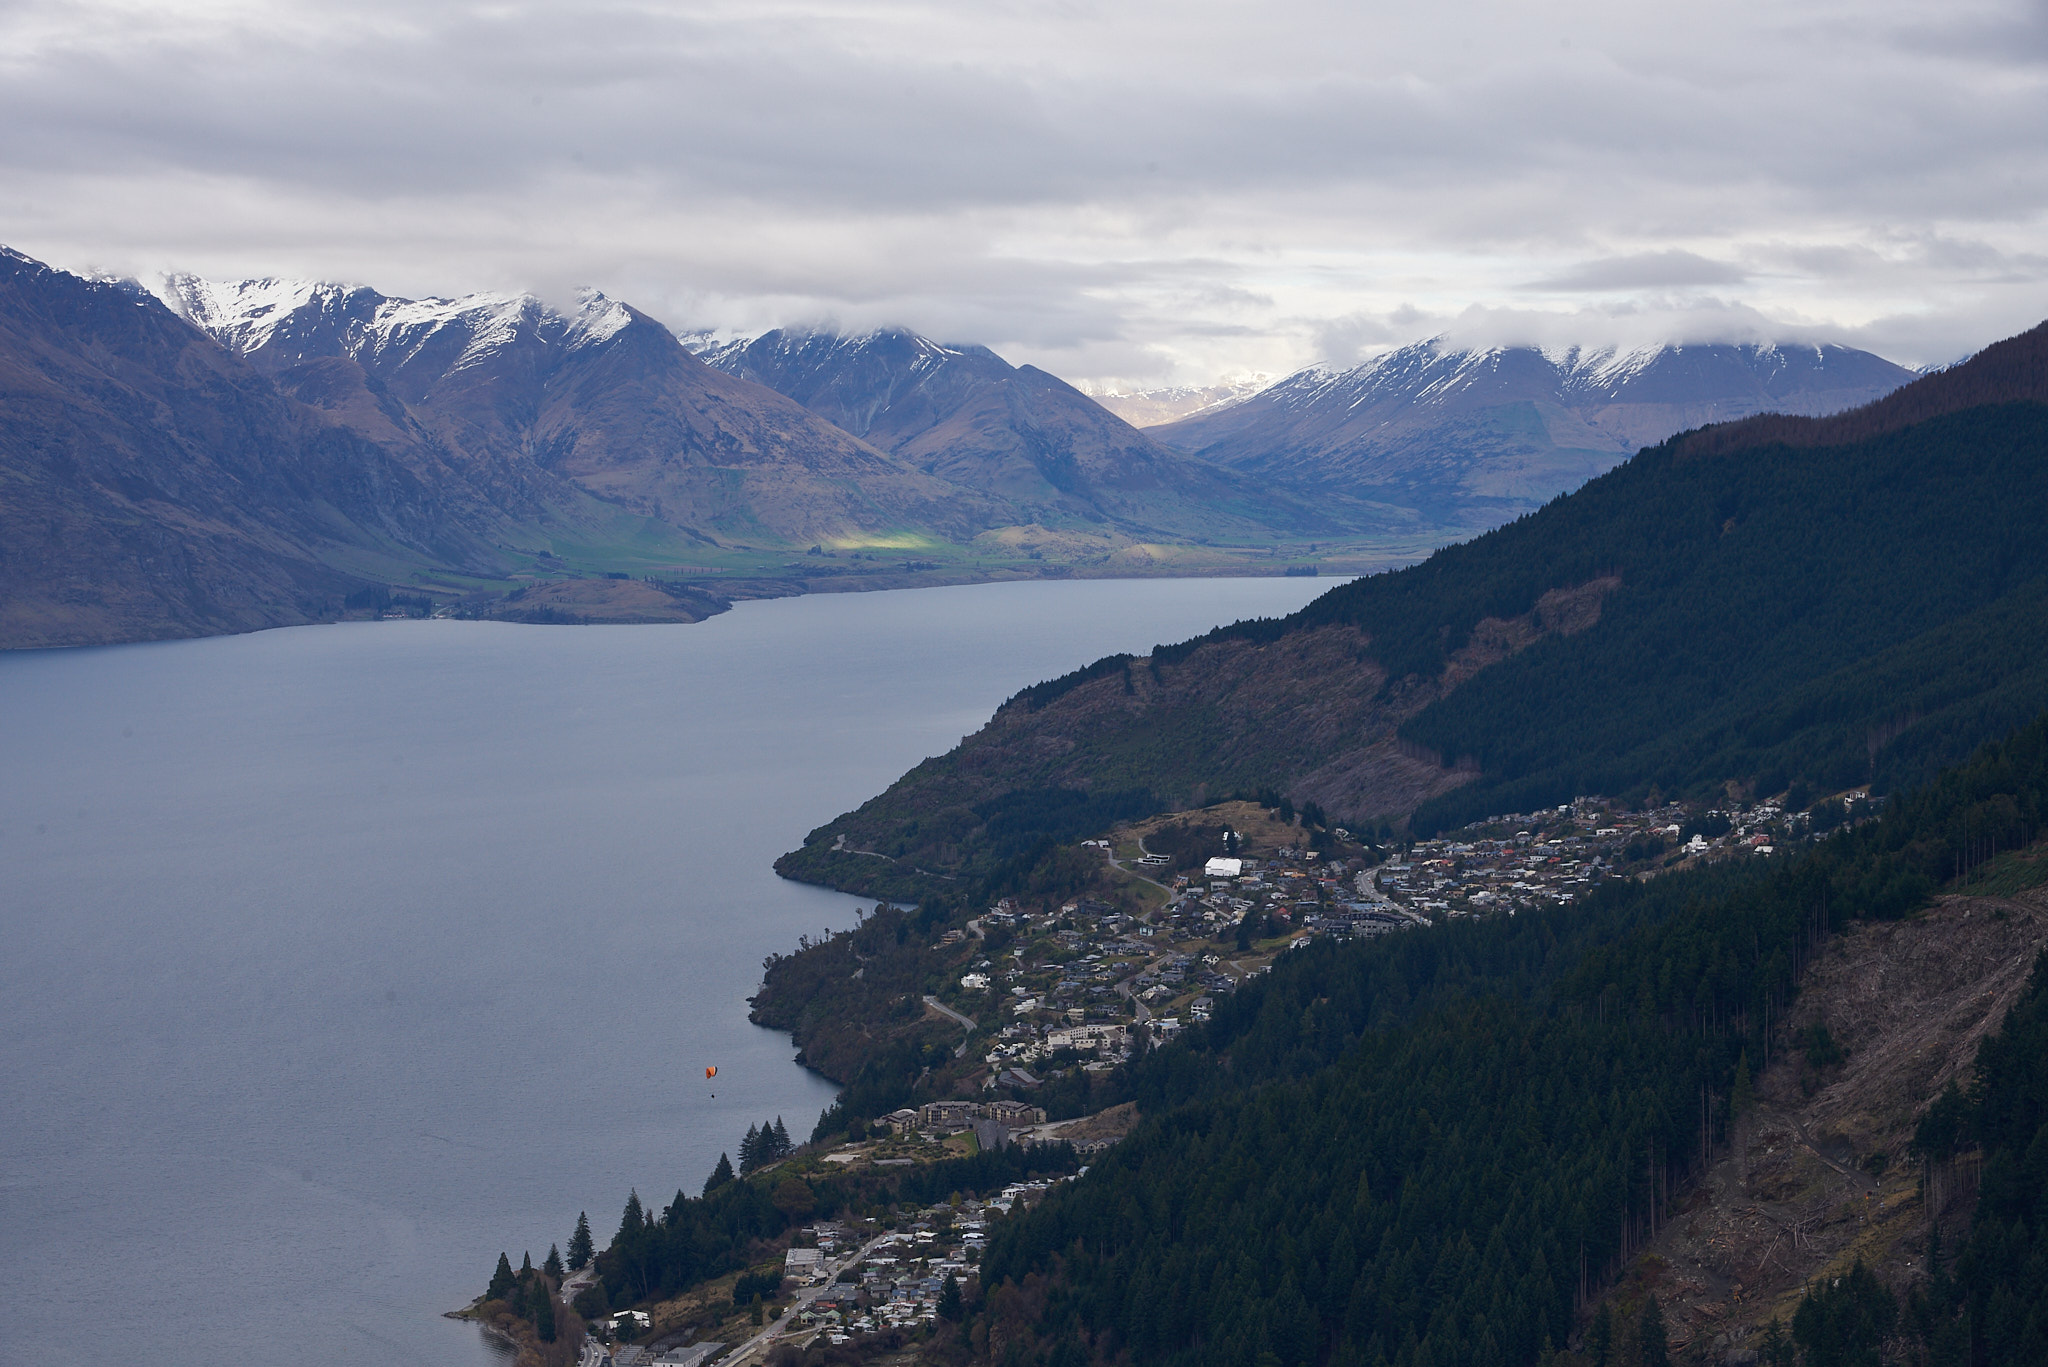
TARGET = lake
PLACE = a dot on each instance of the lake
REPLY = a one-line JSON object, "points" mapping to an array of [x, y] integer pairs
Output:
{"points": [[341, 958]]}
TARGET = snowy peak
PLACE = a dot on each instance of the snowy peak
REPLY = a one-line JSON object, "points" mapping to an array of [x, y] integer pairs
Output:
{"points": [[247, 316], [1155, 407], [279, 323], [1475, 434], [1747, 376], [888, 385]]}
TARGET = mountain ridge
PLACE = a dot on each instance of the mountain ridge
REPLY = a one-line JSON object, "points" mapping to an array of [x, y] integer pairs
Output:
{"points": [[1481, 434], [1742, 611], [1020, 434], [508, 379]]}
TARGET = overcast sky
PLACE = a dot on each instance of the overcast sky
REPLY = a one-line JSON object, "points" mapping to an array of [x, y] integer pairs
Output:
{"points": [[1126, 192]]}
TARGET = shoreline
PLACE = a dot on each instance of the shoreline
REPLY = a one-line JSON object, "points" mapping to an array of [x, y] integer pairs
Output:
{"points": [[699, 599]]}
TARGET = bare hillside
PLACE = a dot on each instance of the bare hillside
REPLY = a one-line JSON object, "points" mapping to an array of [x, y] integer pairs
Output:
{"points": [[1819, 1174]]}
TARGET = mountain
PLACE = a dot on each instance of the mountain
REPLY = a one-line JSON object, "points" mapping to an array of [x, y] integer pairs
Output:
{"points": [[1846, 600], [1157, 407], [1480, 436], [1048, 452], [600, 397], [154, 484]]}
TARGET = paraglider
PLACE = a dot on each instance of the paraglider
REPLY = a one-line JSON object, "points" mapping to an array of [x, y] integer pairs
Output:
{"points": [[710, 1073]]}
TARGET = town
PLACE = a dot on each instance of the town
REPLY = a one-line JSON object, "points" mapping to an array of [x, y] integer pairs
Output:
{"points": [[1082, 983], [1039, 998]]}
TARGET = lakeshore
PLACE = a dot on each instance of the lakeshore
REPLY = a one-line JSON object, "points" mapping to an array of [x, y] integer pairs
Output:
{"points": [[339, 951]]}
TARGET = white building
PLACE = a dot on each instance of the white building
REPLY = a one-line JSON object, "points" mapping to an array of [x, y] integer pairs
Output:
{"points": [[1223, 868]]}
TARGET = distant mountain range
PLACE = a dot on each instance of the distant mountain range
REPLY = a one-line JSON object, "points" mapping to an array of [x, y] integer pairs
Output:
{"points": [[1477, 436], [1844, 600], [1015, 433], [217, 456], [220, 456], [1157, 407]]}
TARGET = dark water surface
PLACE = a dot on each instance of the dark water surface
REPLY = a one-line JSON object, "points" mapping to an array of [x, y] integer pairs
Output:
{"points": [[339, 958]]}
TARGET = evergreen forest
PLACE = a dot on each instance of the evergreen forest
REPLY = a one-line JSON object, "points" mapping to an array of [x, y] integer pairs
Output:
{"points": [[1435, 1149]]}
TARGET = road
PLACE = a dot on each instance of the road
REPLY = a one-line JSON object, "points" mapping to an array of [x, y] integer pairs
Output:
{"points": [[935, 1004], [1119, 866], [803, 1298]]}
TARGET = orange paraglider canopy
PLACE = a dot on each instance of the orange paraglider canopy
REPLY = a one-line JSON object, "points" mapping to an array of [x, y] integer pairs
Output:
{"points": [[711, 1071]]}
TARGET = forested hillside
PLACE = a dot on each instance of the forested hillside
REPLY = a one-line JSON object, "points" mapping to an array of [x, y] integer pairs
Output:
{"points": [[1851, 600], [1434, 1149]]}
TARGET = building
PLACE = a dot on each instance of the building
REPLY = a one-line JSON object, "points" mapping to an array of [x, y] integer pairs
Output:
{"points": [[991, 1135], [948, 1115], [1223, 868], [1016, 1114]]}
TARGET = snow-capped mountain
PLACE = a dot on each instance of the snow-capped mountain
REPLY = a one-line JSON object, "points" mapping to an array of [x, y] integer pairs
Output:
{"points": [[599, 396], [1482, 434], [1157, 407], [1015, 433], [280, 323]]}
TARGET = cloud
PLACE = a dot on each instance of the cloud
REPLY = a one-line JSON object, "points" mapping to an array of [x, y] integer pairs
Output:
{"points": [[1670, 269], [1186, 189]]}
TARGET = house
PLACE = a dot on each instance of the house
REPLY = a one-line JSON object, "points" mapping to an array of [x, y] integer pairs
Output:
{"points": [[805, 1264]]}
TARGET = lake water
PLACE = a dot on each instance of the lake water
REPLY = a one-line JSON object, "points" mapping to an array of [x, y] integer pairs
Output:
{"points": [[340, 958]]}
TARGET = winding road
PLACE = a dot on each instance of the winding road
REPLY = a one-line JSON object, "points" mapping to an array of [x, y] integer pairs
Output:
{"points": [[935, 1004]]}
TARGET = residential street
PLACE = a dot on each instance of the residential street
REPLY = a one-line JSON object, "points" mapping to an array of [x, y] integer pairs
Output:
{"points": [[759, 1342]]}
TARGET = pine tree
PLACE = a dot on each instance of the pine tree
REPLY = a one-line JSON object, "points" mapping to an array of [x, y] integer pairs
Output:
{"points": [[783, 1148], [720, 1175], [1777, 1350], [1600, 1336], [1655, 1349], [553, 1266], [537, 1298], [502, 1280], [949, 1299], [580, 1248], [632, 1220], [750, 1150], [544, 1315], [526, 1268]]}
